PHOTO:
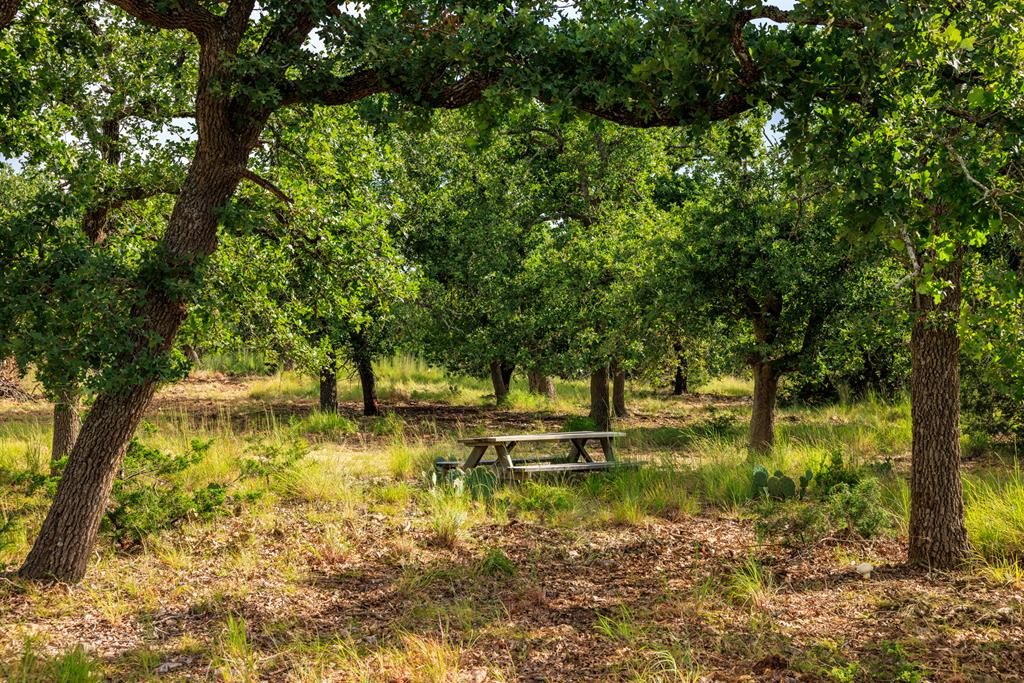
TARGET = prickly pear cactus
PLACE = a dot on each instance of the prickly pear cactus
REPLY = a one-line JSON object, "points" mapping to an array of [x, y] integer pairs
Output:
{"points": [[760, 480], [781, 487], [805, 481]]}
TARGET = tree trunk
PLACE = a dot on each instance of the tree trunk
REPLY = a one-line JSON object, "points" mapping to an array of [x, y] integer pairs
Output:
{"points": [[600, 411], [67, 423], [368, 382], [329, 386], [938, 537], [762, 419], [192, 355], [506, 375], [541, 384], [64, 545], [498, 382], [619, 391], [679, 382], [68, 534]]}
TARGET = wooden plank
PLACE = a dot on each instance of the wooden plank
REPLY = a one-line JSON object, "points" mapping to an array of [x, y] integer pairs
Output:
{"points": [[548, 436], [571, 467], [474, 457], [452, 464], [504, 461]]}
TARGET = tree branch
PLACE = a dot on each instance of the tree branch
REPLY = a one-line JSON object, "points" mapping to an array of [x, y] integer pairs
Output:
{"points": [[270, 187], [344, 90], [188, 15], [782, 16]]}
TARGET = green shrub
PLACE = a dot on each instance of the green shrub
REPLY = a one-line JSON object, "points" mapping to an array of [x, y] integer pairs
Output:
{"points": [[146, 499], [267, 459], [497, 564], [385, 425], [324, 423], [793, 524], [858, 509], [579, 424], [716, 424], [833, 472]]}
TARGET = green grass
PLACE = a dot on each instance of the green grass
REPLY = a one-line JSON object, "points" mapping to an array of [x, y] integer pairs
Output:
{"points": [[325, 424], [728, 386], [994, 513], [751, 584]]}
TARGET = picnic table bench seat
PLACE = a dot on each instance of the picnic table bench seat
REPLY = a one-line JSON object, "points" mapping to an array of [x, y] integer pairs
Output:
{"points": [[577, 460]]}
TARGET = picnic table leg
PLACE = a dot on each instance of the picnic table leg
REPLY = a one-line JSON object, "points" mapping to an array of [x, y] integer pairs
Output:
{"points": [[608, 448], [579, 450], [504, 462], [474, 457]]}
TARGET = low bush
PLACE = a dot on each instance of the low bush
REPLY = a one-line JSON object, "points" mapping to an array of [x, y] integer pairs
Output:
{"points": [[146, 499]]}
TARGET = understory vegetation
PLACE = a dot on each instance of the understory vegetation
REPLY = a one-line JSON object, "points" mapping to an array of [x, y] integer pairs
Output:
{"points": [[283, 285], [257, 538]]}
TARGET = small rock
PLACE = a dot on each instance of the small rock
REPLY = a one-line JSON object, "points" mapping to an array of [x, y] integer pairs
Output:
{"points": [[167, 667]]}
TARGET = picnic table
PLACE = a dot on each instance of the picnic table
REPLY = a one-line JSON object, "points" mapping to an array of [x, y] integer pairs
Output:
{"points": [[578, 459]]}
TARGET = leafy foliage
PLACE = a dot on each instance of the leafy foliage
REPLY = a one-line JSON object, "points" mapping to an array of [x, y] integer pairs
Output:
{"points": [[147, 499]]}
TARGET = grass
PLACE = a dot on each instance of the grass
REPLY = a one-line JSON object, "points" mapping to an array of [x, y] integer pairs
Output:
{"points": [[728, 386], [994, 513], [325, 424], [469, 575], [751, 584]]}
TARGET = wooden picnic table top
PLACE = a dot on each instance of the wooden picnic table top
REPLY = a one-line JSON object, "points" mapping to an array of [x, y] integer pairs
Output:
{"points": [[549, 436]]}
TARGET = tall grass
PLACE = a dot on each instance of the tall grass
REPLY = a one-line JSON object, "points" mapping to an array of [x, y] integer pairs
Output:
{"points": [[729, 385], [994, 514]]}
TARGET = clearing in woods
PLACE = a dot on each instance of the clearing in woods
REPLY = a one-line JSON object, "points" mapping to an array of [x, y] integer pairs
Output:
{"points": [[355, 563]]}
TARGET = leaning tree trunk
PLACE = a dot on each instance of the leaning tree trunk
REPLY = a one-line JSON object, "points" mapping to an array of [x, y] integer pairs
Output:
{"points": [[600, 411], [619, 391], [329, 385], [68, 534], [938, 537], [762, 419], [498, 382], [67, 423], [368, 382]]}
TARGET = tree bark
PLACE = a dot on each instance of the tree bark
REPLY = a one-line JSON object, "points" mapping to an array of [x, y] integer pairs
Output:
{"points": [[498, 382], [938, 537], [506, 374], [679, 381], [619, 391], [762, 419], [541, 384], [67, 423], [368, 382], [329, 386], [600, 406]]}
